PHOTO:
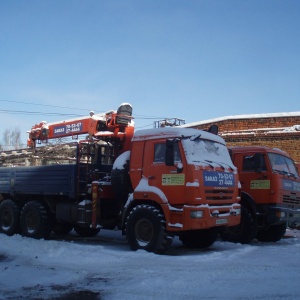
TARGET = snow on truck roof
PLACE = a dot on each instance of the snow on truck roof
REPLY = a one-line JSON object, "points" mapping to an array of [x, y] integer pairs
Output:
{"points": [[255, 148], [173, 132]]}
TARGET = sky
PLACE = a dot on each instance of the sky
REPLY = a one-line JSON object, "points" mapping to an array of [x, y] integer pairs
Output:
{"points": [[194, 60]]}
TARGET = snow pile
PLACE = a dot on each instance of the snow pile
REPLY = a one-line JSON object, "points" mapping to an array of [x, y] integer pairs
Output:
{"points": [[104, 267]]}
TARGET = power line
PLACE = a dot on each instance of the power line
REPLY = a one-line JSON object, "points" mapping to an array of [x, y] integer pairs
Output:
{"points": [[139, 127], [39, 104], [24, 112], [36, 113], [143, 117]]}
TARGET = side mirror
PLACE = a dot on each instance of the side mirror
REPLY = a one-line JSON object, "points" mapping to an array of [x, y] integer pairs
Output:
{"points": [[179, 168], [169, 157]]}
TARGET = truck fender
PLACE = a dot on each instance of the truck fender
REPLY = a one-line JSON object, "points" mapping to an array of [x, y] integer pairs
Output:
{"points": [[247, 201], [144, 194], [121, 161]]}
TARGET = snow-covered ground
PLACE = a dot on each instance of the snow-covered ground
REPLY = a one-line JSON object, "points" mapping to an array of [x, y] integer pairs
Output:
{"points": [[103, 267]]}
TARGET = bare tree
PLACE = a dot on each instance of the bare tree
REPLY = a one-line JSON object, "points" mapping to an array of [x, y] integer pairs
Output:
{"points": [[12, 138]]}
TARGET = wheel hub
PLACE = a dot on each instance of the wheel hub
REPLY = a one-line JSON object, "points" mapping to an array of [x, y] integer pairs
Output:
{"points": [[144, 232]]}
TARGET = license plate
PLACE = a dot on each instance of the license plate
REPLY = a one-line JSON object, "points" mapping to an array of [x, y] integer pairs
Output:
{"points": [[221, 221]]}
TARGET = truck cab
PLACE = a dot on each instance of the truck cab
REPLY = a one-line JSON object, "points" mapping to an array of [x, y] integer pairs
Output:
{"points": [[270, 187], [188, 176]]}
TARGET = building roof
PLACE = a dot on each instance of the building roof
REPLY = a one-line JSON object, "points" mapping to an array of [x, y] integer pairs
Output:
{"points": [[247, 116]]}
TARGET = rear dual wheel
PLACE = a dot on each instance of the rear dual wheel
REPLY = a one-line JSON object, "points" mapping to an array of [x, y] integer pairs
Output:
{"points": [[36, 220], [9, 217]]}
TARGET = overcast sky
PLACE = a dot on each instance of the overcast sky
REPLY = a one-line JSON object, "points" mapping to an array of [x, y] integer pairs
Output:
{"points": [[192, 59]]}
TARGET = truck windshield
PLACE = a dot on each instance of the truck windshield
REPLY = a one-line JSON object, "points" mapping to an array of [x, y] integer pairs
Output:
{"points": [[206, 152], [282, 164]]}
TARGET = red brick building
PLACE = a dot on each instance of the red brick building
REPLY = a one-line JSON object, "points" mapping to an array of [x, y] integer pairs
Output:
{"points": [[276, 130]]}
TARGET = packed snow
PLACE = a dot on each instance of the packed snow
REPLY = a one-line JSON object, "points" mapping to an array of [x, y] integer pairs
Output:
{"points": [[103, 267]]}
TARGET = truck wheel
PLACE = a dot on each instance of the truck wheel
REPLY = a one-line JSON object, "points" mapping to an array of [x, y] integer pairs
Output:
{"points": [[86, 231], [36, 220], [9, 217], [243, 233], [146, 229], [199, 238], [273, 233]]}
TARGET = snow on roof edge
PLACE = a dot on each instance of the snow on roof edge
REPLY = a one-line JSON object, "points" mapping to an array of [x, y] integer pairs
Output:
{"points": [[176, 131], [246, 116]]}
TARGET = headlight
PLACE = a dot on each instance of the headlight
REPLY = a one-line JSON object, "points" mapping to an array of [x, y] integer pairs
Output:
{"points": [[196, 214]]}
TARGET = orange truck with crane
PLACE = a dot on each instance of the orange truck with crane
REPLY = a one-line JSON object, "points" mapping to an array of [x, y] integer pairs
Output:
{"points": [[152, 184], [270, 194]]}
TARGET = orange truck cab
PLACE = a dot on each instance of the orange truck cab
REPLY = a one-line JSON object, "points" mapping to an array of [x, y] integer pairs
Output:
{"points": [[182, 183], [270, 195]]}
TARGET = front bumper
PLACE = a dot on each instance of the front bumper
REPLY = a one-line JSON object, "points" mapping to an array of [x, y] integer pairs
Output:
{"points": [[202, 217], [284, 214]]}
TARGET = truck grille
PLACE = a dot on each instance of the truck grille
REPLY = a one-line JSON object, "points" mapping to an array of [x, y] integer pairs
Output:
{"points": [[218, 194], [291, 199]]}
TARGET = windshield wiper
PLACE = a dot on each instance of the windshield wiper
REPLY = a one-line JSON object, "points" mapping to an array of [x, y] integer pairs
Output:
{"points": [[231, 168], [290, 174], [206, 162], [284, 173], [210, 161], [278, 171]]}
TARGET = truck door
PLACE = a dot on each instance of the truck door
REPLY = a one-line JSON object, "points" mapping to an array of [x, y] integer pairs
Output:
{"points": [[254, 177], [166, 178]]}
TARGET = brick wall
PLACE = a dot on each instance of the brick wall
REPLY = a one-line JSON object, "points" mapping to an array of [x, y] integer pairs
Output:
{"points": [[273, 130]]}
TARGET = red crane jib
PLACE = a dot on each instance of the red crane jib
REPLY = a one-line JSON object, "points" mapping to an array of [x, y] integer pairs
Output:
{"points": [[109, 124]]}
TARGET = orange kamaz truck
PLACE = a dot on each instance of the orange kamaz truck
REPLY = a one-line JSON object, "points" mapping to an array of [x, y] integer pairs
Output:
{"points": [[153, 185], [270, 194]]}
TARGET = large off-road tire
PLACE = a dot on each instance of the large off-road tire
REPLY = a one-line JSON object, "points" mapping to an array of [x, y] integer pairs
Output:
{"points": [[199, 238], [146, 229], [243, 233], [86, 231], [9, 217], [273, 233], [36, 220]]}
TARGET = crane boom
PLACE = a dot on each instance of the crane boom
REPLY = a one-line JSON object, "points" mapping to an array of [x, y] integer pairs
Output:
{"points": [[116, 124]]}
